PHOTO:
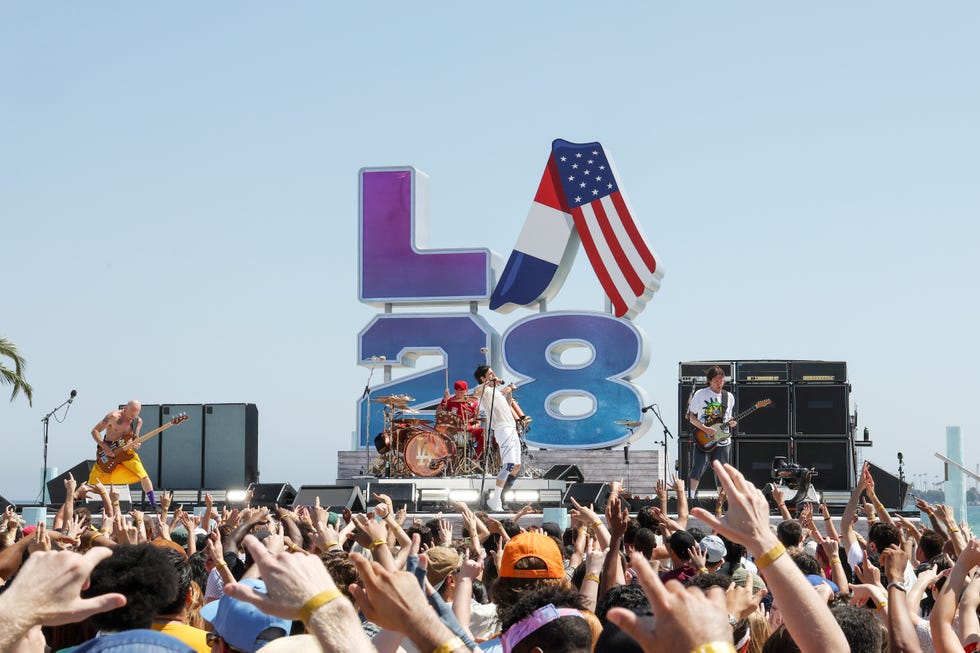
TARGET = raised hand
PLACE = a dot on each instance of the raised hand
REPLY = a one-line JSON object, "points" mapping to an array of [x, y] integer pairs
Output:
{"points": [[698, 558], [867, 573], [894, 559], [742, 601], [686, 617], [48, 587], [42, 539], [747, 518]]}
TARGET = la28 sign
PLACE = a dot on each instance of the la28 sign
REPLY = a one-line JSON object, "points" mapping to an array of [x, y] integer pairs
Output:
{"points": [[578, 200]]}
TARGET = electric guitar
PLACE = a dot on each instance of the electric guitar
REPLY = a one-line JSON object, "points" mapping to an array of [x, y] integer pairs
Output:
{"points": [[122, 450], [707, 442]]}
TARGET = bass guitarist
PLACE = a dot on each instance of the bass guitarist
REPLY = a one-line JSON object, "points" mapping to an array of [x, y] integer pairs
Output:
{"points": [[122, 424], [710, 411]]}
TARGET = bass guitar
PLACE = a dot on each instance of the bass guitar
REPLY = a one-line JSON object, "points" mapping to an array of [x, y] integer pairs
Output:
{"points": [[122, 450], [707, 442]]}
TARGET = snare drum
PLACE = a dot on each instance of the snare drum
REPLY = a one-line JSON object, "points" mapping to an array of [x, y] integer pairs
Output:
{"points": [[426, 454]]}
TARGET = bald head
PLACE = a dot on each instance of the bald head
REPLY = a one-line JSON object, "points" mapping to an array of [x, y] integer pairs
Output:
{"points": [[133, 408]]}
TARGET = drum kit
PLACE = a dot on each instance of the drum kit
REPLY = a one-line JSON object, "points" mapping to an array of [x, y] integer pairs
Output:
{"points": [[413, 446]]}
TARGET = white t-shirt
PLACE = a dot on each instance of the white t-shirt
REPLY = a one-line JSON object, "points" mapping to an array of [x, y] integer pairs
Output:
{"points": [[502, 414], [707, 405]]}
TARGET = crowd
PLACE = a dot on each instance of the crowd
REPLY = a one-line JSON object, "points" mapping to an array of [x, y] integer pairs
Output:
{"points": [[311, 580]]}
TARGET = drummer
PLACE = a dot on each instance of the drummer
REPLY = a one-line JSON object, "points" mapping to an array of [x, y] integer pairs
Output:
{"points": [[465, 407]]}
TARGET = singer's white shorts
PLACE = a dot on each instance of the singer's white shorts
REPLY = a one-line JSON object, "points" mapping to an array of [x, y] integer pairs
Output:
{"points": [[509, 445]]}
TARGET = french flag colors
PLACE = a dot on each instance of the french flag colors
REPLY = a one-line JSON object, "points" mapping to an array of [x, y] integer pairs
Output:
{"points": [[534, 270], [579, 196]]}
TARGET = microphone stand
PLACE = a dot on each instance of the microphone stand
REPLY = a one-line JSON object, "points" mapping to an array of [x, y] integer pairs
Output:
{"points": [[44, 469], [487, 436], [366, 395], [655, 409]]}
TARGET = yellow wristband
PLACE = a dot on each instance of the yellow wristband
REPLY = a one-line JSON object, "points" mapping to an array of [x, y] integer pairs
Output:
{"points": [[221, 563], [331, 545], [715, 647], [883, 605], [317, 602], [596, 524], [769, 556], [375, 544], [954, 530], [448, 646], [834, 560], [592, 577]]}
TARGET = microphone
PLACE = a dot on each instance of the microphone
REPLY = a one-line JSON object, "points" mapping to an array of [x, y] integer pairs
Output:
{"points": [[646, 408], [74, 393]]}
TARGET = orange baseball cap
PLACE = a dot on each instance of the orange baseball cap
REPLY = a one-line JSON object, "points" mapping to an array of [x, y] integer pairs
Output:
{"points": [[528, 545]]}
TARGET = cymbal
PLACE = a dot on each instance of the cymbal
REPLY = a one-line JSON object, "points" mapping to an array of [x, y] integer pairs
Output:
{"points": [[408, 411], [393, 399], [627, 422], [414, 420]]}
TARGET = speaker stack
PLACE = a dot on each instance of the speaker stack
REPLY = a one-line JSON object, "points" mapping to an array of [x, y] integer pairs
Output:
{"points": [[216, 448], [807, 418]]}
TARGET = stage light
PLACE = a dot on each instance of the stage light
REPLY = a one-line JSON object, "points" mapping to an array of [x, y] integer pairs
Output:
{"points": [[521, 496], [235, 496], [464, 496]]}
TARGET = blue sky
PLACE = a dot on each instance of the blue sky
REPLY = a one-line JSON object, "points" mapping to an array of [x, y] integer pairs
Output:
{"points": [[178, 191]]}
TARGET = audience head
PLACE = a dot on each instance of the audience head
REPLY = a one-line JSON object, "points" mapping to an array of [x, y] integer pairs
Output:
{"points": [[680, 545], [549, 618], [529, 560], [241, 626], [790, 533], [145, 575]]}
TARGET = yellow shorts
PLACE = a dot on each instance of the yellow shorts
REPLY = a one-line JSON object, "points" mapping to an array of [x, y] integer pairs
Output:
{"points": [[125, 473]]}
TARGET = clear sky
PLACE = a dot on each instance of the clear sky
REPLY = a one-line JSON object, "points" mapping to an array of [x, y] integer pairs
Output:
{"points": [[178, 192]]}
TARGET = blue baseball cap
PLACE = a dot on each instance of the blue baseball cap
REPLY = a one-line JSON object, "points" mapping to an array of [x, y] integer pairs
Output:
{"points": [[816, 581], [240, 623]]}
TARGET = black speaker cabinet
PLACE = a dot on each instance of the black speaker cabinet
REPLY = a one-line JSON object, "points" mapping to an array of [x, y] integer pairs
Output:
{"points": [[182, 448], [402, 493], [587, 494], [833, 460], [684, 466], [753, 457], [149, 451], [80, 472], [568, 473], [891, 490], [332, 497], [231, 445], [769, 420], [270, 495], [821, 410]]}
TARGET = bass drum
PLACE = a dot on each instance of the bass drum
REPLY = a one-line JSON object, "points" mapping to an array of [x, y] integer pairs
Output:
{"points": [[427, 454]]}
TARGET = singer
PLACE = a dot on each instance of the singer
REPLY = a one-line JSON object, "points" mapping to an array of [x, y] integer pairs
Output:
{"points": [[495, 402], [118, 425]]}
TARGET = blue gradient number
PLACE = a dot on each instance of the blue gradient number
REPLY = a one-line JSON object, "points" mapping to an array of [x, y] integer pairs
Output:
{"points": [[533, 348], [402, 339]]}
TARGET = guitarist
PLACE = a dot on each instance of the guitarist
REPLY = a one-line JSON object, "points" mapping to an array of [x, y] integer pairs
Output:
{"points": [[710, 409], [118, 425]]}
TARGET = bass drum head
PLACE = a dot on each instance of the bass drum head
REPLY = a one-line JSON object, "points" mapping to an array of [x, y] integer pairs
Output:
{"points": [[426, 454]]}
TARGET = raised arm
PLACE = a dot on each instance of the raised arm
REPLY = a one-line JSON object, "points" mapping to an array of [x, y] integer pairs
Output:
{"points": [[810, 621]]}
